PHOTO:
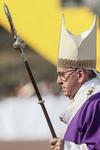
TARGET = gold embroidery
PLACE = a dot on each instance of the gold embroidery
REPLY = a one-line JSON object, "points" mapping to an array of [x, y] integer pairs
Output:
{"points": [[76, 64], [90, 91]]}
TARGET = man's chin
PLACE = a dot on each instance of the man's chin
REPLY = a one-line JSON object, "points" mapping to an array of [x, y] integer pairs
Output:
{"points": [[68, 95]]}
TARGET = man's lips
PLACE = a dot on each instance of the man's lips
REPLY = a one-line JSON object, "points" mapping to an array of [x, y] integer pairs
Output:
{"points": [[63, 89]]}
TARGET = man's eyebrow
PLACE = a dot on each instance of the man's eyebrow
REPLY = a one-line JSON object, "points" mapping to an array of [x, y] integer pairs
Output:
{"points": [[60, 72], [66, 71]]}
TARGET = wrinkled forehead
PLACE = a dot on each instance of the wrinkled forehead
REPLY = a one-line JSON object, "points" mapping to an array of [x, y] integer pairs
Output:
{"points": [[62, 69]]}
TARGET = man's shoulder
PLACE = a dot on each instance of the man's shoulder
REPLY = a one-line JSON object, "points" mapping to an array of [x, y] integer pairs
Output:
{"points": [[92, 104], [95, 98], [90, 108], [95, 95]]}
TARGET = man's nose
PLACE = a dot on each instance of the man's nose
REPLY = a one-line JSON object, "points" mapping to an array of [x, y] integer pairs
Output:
{"points": [[59, 81]]}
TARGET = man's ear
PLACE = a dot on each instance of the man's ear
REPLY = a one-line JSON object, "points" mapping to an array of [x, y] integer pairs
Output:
{"points": [[81, 75]]}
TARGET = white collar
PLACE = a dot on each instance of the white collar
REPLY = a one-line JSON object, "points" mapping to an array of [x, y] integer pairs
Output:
{"points": [[87, 89]]}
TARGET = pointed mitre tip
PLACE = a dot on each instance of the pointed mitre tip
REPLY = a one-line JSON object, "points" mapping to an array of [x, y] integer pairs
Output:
{"points": [[95, 17], [93, 27], [94, 20], [63, 19]]}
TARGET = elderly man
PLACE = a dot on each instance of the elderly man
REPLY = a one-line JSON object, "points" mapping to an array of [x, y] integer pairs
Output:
{"points": [[79, 81]]}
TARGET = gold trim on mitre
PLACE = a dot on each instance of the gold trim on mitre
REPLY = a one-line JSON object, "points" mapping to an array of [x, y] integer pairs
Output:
{"points": [[65, 63]]}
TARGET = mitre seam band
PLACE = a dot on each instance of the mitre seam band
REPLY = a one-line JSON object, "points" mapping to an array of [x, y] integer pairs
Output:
{"points": [[76, 64]]}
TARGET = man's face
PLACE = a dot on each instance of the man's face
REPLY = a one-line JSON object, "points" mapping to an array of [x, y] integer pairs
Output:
{"points": [[69, 81]]}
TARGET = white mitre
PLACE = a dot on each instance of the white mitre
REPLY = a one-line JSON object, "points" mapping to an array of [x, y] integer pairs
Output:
{"points": [[78, 51]]}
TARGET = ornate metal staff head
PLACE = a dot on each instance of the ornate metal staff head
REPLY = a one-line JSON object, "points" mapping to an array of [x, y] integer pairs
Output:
{"points": [[18, 43]]}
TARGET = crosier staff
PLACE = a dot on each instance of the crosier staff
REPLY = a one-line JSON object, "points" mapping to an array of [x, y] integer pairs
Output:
{"points": [[20, 45]]}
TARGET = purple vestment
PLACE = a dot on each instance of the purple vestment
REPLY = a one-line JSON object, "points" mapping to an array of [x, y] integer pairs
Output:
{"points": [[85, 125]]}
